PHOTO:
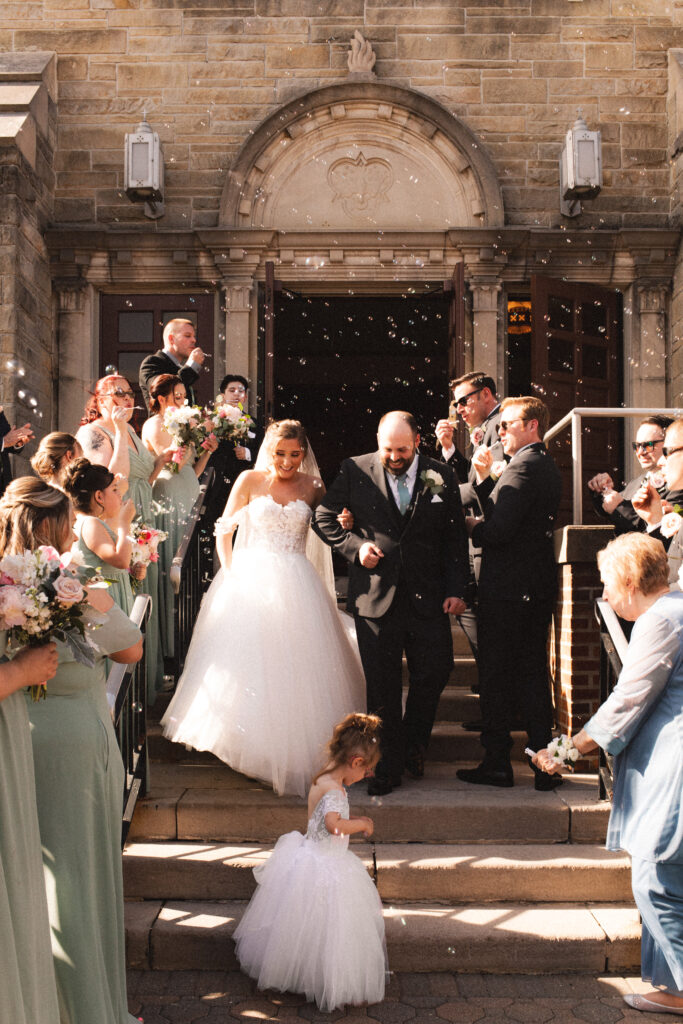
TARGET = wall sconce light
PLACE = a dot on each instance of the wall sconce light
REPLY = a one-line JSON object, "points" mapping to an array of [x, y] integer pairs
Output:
{"points": [[580, 167], [143, 174]]}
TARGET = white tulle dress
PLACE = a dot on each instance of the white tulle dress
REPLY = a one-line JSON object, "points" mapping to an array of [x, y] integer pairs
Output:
{"points": [[314, 924], [271, 668]]}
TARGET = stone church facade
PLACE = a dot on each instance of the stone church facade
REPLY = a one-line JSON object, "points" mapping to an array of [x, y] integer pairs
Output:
{"points": [[415, 168]]}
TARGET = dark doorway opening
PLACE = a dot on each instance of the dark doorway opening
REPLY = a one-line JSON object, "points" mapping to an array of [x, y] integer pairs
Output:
{"points": [[340, 362]]}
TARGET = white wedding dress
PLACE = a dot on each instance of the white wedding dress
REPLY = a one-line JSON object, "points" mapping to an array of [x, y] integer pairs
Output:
{"points": [[270, 669], [314, 924]]}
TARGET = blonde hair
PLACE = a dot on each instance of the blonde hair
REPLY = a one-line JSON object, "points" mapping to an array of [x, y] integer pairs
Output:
{"points": [[285, 430], [356, 735], [32, 513], [636, 559], [47, 461], [532, 409]]}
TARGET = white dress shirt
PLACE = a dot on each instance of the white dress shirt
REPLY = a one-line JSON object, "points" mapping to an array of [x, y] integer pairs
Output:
{"points": [[411, 476]]}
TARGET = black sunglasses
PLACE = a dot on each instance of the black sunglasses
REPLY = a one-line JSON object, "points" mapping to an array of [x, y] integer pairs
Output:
{"points": [[671, 451], [465, 398], [646, 445]]}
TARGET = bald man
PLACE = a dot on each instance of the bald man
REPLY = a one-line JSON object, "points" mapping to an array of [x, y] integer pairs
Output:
{"points": [[408, 571]]}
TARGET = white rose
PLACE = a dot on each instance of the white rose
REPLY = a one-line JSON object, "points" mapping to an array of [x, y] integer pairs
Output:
{"points": [[670, 524], [68, 590]]}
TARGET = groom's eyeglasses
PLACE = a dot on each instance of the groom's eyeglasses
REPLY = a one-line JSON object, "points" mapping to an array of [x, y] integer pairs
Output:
{"points": [[465, 398]]}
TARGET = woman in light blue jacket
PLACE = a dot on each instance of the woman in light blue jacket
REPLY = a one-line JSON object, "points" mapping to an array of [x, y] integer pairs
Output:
{"points": [[641, 724]]}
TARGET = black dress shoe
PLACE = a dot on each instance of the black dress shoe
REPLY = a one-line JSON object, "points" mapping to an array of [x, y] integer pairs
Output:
{"points": [[415, 762], [476, 726], [380, 785], [544, 782], [483, 775]]}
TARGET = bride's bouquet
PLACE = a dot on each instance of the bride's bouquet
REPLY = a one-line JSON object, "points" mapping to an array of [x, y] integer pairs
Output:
{"points": [[43, 598], [146, 541], [189, 428], [227, 422]]}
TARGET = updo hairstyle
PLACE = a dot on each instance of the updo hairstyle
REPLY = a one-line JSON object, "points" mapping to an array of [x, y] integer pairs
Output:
{"points": [[162, 386], [32, 514], [52, 450], [356, 735], [82, 479]]}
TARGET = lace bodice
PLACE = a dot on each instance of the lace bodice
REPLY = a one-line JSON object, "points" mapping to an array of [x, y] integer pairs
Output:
{"points": [[273, 527], [333, 800]]}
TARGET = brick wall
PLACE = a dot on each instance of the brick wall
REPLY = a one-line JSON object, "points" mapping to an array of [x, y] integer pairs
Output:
{"points": [[515, 71]]}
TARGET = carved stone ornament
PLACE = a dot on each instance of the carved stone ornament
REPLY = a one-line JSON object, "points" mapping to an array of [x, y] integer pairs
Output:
{"points": [[360, 185], [361, 59]]}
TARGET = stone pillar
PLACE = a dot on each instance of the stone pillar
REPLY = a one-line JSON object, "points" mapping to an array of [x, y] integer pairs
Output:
{"points": [[238, 307], [575, 636], [649, 370], [75, 350], [485, 327]]}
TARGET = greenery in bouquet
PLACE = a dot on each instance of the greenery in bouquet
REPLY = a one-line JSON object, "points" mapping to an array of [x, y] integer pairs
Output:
{"points": [[43, 598], [227, 422], [189, 428], [146, 541]]}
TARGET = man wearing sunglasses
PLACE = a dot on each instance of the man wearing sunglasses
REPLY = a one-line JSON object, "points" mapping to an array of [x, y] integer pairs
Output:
{"points": [[616, 506], [516, 593], [649, 505]]}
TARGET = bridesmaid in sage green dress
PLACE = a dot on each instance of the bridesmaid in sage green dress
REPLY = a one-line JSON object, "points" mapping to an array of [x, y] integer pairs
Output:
{"points": [[108, 439], [28, 993], [103, 526], [79, 779], [175, 492]]}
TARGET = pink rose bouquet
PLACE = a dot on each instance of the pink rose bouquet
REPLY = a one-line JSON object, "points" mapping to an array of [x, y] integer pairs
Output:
{"points": [[187, 426], [146, 541], [227, 422], [43, 598]]}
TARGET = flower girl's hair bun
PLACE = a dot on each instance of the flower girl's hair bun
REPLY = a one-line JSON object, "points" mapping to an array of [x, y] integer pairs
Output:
{"points": [[357, 735], [81, 479]]}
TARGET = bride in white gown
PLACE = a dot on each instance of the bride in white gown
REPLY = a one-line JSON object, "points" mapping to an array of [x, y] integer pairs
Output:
{"points": [[270, 669]]}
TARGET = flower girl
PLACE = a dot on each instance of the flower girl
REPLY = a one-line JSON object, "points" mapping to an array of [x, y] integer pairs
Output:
{"points": [[314, 924]]}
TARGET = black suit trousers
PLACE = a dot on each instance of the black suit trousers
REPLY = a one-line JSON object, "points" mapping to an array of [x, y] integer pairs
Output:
{"points": [[513, 674], [428, 647]]}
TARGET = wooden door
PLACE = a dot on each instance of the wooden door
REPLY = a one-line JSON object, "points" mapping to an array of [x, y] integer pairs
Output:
{"points": [[131, 326], [576, 361], [455, 289]]}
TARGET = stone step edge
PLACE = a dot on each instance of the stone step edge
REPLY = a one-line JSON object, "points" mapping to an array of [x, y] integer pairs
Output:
{"points": [[466, 873], [490, 938]]}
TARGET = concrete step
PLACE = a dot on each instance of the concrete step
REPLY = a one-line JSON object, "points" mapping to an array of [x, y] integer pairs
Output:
{"points": [[404, 871], [505, 938], [213, 803]]}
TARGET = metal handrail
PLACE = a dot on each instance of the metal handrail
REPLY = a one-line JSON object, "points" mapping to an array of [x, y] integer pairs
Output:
{"points": [[574, 418], [613, 648], [127, 699], [195, 515]]}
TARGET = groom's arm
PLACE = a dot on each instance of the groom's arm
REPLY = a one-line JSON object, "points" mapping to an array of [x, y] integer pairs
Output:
{"points": [[325, 522]]}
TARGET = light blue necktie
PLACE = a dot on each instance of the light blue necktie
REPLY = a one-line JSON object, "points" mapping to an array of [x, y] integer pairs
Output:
{"points": [[403, 493]]}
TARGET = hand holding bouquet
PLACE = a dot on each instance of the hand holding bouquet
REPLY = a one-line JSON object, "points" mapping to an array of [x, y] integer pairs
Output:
{"points": [[188, 428], [43, 598], [227, 422], [146, 541]]}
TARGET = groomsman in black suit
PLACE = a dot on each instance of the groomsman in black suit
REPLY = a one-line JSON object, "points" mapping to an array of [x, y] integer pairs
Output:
{"points": [[517, 588], [231, 459], [11, 439], [180, 355], [407, 556]]}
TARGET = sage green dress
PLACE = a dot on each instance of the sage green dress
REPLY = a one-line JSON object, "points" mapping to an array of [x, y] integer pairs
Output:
{"points": [[79, 787], [174, 494], [28, 993], [118, 579], [140, 491]]}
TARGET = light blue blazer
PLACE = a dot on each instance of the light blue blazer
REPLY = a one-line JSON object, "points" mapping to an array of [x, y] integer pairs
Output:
{"points": [[641, 723]]}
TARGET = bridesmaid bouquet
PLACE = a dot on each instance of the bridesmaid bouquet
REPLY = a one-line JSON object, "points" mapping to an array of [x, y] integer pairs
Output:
{"points": [[227, 422], [43, 598], [146, 541], [187, 426]]}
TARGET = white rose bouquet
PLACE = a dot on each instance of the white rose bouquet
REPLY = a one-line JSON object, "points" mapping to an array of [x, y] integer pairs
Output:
{"points": [[43, 598], [146, 541], [188, 429], [227, 422], [563, 751]]}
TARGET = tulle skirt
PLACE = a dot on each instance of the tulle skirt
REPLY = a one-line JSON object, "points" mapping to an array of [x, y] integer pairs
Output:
{"points": [[315, 925], [270, 671]]}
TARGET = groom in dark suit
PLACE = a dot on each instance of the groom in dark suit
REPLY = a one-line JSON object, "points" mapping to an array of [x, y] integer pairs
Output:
{"points": [[517, 587], [180, 356], [408, 571]]}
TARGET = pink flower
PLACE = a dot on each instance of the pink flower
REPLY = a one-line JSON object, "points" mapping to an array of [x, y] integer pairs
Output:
{"points": [[207, 442], [12, 607], [178, 455], [154, 556], [5, 579], [49, 553], [670, 524], [68, 590]]}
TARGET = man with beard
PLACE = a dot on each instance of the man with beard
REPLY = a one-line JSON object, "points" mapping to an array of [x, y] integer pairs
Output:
{"points": [[663, 519]]}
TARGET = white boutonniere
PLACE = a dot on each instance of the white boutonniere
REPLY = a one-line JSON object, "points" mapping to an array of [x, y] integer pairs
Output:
{"points": [[432, 482], [670, 524]]}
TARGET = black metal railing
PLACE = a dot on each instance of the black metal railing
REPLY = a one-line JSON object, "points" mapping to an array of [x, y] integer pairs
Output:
{"points": [[127, 698], [613, 647], [191, 574]]}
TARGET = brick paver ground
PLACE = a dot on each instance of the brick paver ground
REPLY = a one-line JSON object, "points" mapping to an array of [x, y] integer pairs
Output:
{"points": [[217, 997]]}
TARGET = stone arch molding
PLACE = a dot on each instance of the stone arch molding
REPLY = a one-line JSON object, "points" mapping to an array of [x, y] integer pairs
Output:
{"points": [[362, 157]]}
